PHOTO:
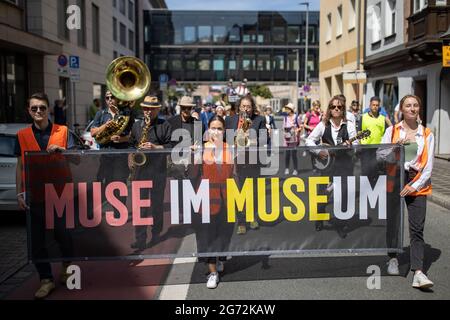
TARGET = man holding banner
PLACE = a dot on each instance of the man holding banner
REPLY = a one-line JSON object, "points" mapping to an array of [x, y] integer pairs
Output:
{"points": [[42, 136]]}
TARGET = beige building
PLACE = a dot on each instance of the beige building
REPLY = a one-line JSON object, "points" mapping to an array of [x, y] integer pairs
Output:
{"points": [[340, 63]]}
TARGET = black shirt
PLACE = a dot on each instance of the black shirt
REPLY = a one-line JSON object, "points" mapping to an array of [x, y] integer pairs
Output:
{"points": [[104, 116], [159, 133], [42, 137]]}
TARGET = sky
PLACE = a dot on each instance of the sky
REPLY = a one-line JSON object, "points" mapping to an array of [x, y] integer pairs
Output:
{"points": [[255, 5]]}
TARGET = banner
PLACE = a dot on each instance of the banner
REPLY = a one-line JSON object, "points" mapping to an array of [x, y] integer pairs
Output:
{"points": [[89, 205]]}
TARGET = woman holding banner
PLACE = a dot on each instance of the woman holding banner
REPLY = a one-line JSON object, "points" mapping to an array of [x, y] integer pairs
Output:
{"points": [[419, 153], [217, 168], [334, 130]]}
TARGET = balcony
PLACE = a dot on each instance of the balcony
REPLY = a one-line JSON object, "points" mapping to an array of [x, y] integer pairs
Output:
{"points": [[428, 24]]}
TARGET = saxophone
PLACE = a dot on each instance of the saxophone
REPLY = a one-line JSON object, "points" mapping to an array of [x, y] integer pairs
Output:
{"points": [[138, 159], [242, 139]]}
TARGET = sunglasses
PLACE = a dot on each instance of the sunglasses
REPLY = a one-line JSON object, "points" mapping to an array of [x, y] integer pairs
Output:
{"points": [[336, 107], [40, 108], [109, 97], [148, 109]]}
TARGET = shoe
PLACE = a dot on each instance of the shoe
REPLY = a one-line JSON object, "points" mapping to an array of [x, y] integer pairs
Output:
{"points": [[295, 173], [213, 280], [254, 225], [219, 266], [421, 281], [139, 245], [319, 225], [47, 286], [241, 230], [392, 268], [286, 172]]}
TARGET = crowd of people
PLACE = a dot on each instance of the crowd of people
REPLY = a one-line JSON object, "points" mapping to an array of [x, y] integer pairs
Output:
{"points": [[334, 125]]}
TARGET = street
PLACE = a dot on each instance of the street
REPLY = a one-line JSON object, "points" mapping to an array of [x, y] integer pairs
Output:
{"points": [[245, 278]]}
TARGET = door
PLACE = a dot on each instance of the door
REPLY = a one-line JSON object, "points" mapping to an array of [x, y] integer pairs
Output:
{"points": [[420, 90]]}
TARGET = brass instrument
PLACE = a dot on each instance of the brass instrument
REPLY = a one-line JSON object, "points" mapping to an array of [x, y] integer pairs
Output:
{"points": [[242, 139], [139, 158], [128, 79]]}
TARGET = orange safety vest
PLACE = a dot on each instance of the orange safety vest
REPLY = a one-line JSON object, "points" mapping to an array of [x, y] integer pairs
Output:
{"points": [[217, 174], [423, 160], [56, 161]]}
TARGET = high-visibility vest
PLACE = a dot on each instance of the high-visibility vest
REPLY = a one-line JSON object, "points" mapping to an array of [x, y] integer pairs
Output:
{"points": [[56, 164], [423, 160], [217, 174], [376, 126]]}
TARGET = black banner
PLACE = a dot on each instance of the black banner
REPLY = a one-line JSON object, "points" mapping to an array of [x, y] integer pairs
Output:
{"points": [[89, 205]]}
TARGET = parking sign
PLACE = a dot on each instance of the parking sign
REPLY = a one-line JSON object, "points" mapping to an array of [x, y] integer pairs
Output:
{"points": [[74, 62]]}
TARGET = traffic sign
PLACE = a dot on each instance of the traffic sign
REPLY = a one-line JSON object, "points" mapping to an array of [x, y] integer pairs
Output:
{"points": [[163, 78], [446, 54], [74, 62], [62, 60]]}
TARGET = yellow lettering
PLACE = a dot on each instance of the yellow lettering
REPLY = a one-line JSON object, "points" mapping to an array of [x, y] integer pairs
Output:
{"points": [[240, 198], [296, 201], [275, 199], [315, 199]]}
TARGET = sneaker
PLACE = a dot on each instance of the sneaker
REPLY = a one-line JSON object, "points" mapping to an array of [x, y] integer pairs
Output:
{"points": [[392, 268], [219, 266], [421, 281], [47, 286], [254, 225], [295, 173], [213, 280], [286, 172], [241, 230]]}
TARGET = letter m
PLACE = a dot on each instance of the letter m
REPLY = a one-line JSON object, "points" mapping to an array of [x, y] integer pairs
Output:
{"points": [[240, 198], [60, 204]]}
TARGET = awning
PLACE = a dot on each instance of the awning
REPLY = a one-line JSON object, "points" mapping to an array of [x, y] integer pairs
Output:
{"points": [[25, 42]]}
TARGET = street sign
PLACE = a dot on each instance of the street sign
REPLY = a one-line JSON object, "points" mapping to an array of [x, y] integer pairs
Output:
{"points": [[62, 61], [74, 62], [446, 54], [163, 78]]}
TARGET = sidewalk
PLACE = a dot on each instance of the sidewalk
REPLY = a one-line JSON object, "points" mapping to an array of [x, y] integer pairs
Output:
{"points": [[441, 182]]}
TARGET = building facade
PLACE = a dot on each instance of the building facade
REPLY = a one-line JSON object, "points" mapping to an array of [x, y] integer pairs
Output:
{"points": [[404, 55], [342, 49], [34, 33], [209, 48]]}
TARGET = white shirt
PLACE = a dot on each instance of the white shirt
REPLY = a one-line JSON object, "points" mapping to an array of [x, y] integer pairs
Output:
{"points": [[424, 179], [350, 117], [319, 130]]}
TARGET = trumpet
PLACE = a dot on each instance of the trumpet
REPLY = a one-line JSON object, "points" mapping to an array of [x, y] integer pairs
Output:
{"points": [[242, 139]]}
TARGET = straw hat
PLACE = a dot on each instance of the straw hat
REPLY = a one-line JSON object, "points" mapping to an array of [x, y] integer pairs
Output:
{"points": [[186, 102], [290, 105], [151, 102]]}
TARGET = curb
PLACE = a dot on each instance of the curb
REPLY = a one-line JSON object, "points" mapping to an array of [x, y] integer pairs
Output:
{"points": [[440, 199]]}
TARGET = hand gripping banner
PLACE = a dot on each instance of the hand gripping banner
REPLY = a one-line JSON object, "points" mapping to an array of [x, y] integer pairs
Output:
{"points": [[214, 202]]}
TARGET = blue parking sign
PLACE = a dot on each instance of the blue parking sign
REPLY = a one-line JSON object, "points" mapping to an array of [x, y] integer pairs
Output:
{"points": [[74, 62]]}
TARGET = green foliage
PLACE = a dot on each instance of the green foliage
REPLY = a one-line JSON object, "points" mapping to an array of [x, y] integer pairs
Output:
{"points": [[260, 90]]}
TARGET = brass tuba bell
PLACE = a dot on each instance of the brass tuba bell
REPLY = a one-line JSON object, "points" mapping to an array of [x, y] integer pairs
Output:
{"points": [[128, 79]]}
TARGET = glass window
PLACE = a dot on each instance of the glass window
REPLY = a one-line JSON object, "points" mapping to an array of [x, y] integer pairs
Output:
{"points": [[191, 64], [249, 35], [204, 33], [114, 29], [131, 10], [278, 34], [232, 64], [219, 63], [263, 63], [204, 64], [63, 32], [122, 6], [219, 34], [123, 35], [293, 33], [235, 34], [175, 63], [339, 22], [189, 34], [279, 62], [248, 62], [95, 29], [130, 40], [82, 31], [160, 62], [292, 61]]}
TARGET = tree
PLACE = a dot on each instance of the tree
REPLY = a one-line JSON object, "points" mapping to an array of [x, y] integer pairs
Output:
{"points": [[261, 91]]}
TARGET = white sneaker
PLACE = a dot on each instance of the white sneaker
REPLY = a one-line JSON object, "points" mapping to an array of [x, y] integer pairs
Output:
{"points": [[421, 281], [392, 268], [213, 280], [295, 173], [286, 172], [219, 266]]}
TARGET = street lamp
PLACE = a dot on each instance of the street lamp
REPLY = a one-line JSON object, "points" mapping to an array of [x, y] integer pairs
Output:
{"points": [[307, 43]]}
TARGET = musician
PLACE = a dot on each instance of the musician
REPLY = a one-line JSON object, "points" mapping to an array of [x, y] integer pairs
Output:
{"points": [[112, 166], [155, 169], [247, 105], [334, 129]]}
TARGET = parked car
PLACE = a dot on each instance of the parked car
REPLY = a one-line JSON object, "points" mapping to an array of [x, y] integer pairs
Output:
{"points": [[8, 163], [87, 137]]}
